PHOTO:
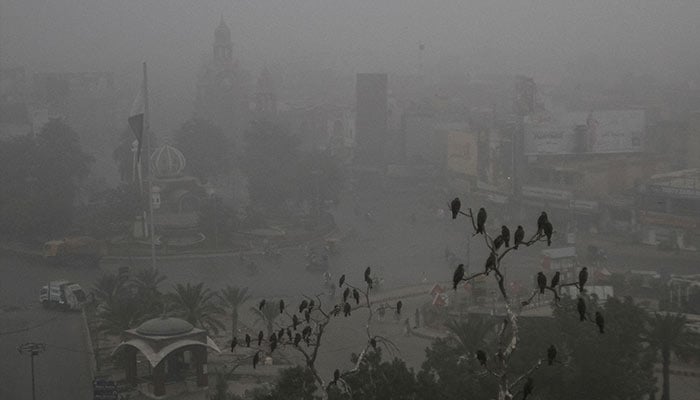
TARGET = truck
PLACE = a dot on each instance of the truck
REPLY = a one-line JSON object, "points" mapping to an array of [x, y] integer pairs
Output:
{"points": [[77, 250], [63, 294]]}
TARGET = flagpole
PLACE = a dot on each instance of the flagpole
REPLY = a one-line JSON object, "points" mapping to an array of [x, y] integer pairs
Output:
{"points": [[146, 128]]}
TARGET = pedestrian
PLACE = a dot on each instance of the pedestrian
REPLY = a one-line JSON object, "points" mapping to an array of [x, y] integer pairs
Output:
{"points": [[417, 317]]}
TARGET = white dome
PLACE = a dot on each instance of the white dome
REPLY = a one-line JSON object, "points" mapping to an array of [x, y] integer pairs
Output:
{"points": [[168, 162]]}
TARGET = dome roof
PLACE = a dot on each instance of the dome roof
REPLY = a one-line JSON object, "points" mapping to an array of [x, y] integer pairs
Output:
{"points": [[164, 326], [168, 162]]}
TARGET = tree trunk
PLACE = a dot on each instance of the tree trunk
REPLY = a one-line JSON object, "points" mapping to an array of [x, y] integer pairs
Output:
{"points": [[665, 370], [234, 322]]}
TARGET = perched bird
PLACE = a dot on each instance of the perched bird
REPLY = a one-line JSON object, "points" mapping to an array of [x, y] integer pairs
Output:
{"points": [[341, 280], [368, 278], [336, 375], [527, 389], [519, 236], [373, 343], [346, 294], [261, 335], [490, 262], [289, 334], [498, 242], [273, 342], [481, 220], [281, 306], [336, 310], [280, 335], [541, 281], [295, 321], [548, 230], [555, 280], [297, 339], [247, 340], [600, 321], [306, 332], [312, 303], [458, 276], [256, 359], [481, 356], [399, 305], [505, 234], [581, 307], [307, 316], [261, 304], [455, 205], [346, 309], [303, 305], [551, 354], [582, 278], [356, 296], [541, 221], [234, 342]]}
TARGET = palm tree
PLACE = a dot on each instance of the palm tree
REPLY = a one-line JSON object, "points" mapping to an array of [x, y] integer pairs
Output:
{"points": [[473, 332], [117, 316], [145, 283], [233, 297], [267, 314], [669, 333], [110, 287], [195, 304]]}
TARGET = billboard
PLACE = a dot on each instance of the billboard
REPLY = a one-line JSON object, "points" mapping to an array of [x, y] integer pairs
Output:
{"points": [[462, 152], [587, 132]]}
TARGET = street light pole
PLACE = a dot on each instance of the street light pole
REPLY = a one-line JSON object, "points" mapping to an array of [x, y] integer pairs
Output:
{"points": [[32, 349]]}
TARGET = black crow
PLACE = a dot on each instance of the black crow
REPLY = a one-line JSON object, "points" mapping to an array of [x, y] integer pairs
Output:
{"points": [[312, 303], [273, 342], [280, 335], [519, 236], [600, 321], [289, 334], [356, 296], [261, 305], [281, 306], [234, 342], [582, 278], [458, 275], [455, 205], [256, 359], [295, 321], [336, 375], [490, 263], [399, 305], [297, 339], [307, 316], [261, 335], [555, 280], [505, 234], [481, 220], [341, 280], [581, 307], [346, 309], [481, 356], [247, 340], [548, 230], [303, 305], [368, 278], [541, 221], [346, 294], [373, 343], [498, 242]]}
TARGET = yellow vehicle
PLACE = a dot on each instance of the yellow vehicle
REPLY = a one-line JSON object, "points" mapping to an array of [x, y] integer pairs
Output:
{"points": [[78, 250]]}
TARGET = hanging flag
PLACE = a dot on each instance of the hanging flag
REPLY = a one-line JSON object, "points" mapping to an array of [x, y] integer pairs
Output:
{"points": [[136, 120]]}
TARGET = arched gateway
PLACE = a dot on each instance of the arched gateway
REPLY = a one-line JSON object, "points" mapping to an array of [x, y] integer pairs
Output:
{"points": [[164, 343]]}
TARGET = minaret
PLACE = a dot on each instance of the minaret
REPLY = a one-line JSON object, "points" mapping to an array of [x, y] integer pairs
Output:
{"points": [[265, 97], [223, 47]]}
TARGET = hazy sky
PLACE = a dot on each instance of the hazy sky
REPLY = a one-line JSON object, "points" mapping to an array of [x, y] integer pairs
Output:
{"points": [[539, 38]]}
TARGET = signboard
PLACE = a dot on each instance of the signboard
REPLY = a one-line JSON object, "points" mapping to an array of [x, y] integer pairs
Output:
{"points": [[686, 193], [581, 132], [546, 193], [462, 152], [662, 219]]}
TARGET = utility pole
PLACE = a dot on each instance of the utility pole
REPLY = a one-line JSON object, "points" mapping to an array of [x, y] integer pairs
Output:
{"points": [[32, 349]]}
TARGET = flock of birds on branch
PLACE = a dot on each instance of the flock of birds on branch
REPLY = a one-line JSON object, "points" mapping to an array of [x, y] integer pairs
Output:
{"points": [[544, 232], [304, 326]]}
